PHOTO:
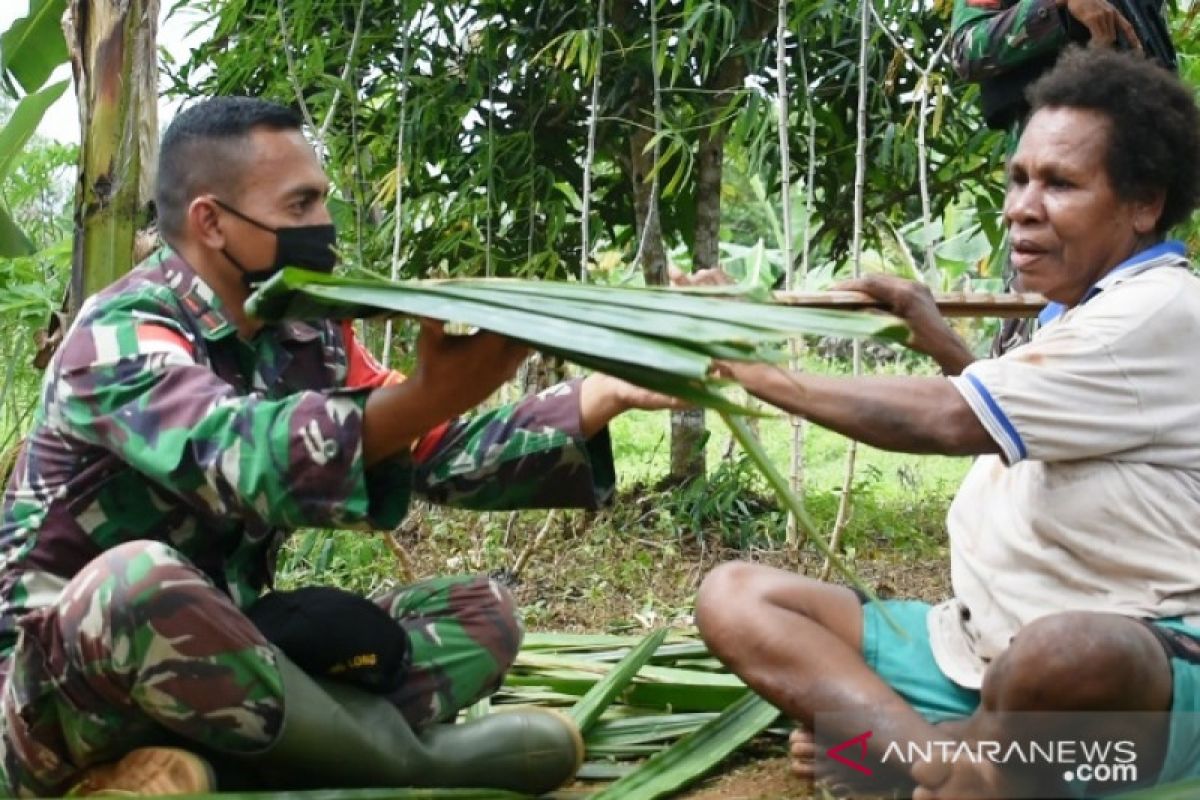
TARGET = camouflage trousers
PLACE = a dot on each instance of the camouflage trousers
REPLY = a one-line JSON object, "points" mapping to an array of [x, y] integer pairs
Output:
{"points": [[141, 648]]}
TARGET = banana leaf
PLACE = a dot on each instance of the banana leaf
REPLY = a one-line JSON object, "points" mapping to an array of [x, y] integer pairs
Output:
{"points": [[34, 45]]}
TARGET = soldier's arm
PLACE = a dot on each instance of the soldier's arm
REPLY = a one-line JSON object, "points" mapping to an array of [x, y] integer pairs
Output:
{"points": [[989, 39], [539, 452], [549, 449], [128, 381]]}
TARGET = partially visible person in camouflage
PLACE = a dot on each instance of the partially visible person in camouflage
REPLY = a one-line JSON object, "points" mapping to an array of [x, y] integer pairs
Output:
{"points": [[177, 444], [1004, 45]]}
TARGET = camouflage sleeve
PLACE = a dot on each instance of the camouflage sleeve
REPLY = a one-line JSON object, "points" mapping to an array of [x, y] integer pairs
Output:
{"points": [[990, 37], [128, 381], [529, 454]]}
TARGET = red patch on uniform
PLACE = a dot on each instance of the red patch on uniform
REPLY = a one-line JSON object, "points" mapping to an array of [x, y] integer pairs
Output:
{"points": [[429, 443], [363, 371], [156, 338], [985, 5]]}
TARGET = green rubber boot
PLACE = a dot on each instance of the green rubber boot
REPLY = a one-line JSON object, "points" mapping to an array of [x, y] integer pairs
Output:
{"points": [[338, 736]]}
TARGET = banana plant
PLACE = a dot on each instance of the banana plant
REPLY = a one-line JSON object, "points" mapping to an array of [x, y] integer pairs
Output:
{"points": [[30, 50], [113, 53]]}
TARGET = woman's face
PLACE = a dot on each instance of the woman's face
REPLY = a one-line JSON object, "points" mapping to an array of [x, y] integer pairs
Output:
{"points": [[1067, 226]]}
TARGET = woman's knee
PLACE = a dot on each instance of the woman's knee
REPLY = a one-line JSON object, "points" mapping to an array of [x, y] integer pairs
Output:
{"points": [[731, 601]]}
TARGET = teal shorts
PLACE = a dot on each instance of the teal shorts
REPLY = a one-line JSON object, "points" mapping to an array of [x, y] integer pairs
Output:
{"points": [[906, 663]]}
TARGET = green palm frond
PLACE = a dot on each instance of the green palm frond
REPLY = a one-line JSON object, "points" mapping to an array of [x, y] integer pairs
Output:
{"points": [[661, 339]]}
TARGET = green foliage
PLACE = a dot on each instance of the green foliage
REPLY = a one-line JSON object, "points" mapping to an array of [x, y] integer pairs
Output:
{"points": [[586, 712], [40, 191], [34, 46], [17, 131], [733, 502], [496, 99], [33, 243]]}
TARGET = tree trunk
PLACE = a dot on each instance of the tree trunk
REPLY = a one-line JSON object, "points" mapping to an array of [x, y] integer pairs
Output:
{"points": [[112, 45], [687, 427], [645, 206], [688, 431]]}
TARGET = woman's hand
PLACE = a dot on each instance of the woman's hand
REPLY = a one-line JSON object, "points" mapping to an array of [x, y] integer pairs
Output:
{"points": [[913, 303]]}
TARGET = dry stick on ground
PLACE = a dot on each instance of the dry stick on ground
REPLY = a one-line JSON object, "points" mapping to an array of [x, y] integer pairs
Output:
{"points": [[534, 544], [407, 529], [860, 171]]}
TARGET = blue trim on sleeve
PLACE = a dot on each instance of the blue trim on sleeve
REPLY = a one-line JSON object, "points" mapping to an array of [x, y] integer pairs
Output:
{"points": [[998, 415]]}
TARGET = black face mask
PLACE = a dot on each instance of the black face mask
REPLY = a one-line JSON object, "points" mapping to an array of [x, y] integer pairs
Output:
{"points": [[306, 246]]}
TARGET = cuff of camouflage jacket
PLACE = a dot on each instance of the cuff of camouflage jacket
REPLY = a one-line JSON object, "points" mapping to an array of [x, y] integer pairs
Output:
{"points": [[1048, 23], [604, 470], [389, 490], [598, 450]]}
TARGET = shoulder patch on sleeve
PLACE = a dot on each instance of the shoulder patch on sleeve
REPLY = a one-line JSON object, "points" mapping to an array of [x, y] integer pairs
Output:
{"points": [[985, 5], [153, 338]]}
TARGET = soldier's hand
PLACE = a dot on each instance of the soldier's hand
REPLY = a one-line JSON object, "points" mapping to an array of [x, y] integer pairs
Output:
{"points": [[460, 372], [1103, 22], [604, 397]]}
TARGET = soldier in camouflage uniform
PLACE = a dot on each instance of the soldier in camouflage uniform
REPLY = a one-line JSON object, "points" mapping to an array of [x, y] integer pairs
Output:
{"points": [[178, 443], [1004, 45]]}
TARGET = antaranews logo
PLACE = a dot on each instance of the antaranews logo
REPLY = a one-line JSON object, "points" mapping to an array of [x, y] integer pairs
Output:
{"points": [[860, 742], [1089, 761], [1046, 754], [1084, 760]]}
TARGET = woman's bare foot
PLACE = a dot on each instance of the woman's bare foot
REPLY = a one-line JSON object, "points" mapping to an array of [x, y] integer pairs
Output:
{"points": [[802, 753], [840, 780], [803, 762]]}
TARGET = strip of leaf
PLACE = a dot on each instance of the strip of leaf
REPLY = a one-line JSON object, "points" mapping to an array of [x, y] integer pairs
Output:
{"points": [[646, 729], [349, 300], [730, 306], [694, 755], [23, 122], [589, 708], [754, 449]]}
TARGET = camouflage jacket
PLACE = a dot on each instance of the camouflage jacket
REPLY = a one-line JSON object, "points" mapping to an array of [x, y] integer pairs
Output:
{"points": [[157, 421], [991, 37]]}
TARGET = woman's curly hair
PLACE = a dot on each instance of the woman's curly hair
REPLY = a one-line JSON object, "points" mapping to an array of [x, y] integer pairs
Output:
{"points": [[1154, 139]]}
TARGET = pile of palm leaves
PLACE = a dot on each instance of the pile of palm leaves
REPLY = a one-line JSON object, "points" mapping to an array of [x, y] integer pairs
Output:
{"points": [[670, 704]]}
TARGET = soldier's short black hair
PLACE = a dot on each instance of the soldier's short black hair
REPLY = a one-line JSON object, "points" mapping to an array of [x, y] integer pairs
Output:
{"points": [[205, 150], [1154, 136]]}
